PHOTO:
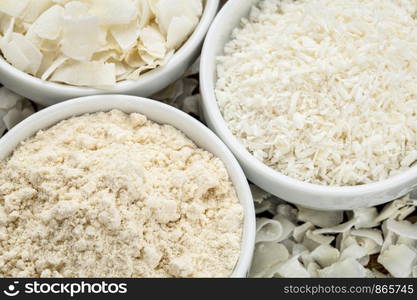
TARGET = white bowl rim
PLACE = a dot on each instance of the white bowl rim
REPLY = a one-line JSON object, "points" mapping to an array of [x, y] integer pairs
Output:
{"points": [[209, 101], [209, 12], [76, 106]]}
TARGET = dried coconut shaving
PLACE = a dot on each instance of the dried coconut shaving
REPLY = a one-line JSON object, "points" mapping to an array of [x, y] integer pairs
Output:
{"points": [[116, 195]]}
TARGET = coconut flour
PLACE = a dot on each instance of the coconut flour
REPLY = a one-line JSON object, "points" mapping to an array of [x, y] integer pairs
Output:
{"points": [[116, 195]]}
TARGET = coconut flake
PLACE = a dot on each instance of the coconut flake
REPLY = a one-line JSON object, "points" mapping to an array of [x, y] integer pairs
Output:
{"points": [[300, 231], [365, 217], [179, 30], [337, 229], [325, 255], [344, 269], [115, 12], [81, 37], [86, 74], [13, 8], [153, 42], [292, 269], [403, 228], [265, 256], [126, 35], [320, 218], [49, 24], [268, 230]]}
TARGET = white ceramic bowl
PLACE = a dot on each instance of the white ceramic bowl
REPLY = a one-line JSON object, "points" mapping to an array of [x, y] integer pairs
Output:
{"points": [[295, 191], [48, 93], [160, 113]]}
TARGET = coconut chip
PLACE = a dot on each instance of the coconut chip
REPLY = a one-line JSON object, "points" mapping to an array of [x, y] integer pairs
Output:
{"points": [[398, 260], [13, 109]]}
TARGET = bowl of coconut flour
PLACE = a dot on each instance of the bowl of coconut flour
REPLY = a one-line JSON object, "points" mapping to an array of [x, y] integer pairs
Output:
{"points": [[121, 186], [316, 98], [51, 51]]}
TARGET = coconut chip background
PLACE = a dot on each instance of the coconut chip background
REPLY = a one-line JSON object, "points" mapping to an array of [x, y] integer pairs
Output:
{"points": [[294, 241]]}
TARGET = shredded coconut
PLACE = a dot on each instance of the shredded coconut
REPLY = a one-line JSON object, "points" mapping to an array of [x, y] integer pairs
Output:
{"points": [[116, 195], [324, 90], [361, 243]]}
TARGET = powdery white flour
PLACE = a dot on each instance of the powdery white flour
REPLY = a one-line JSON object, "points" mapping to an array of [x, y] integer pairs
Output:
{"points": [[116, 195]]}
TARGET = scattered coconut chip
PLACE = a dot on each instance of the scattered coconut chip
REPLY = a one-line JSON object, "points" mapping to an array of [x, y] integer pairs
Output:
{"points": [[134, 35], [398, 260], [325, 255], [373, 234], [337, 229], [93, 74], [347, 268], [364, 246], [13, 8], [320, 218], [292, 269]]}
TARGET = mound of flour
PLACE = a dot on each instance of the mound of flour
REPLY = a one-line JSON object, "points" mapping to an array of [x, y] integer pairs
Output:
{"points": [[116, 195]]}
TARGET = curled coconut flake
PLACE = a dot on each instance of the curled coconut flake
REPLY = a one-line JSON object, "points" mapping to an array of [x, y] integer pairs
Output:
{"points": [[312, 240], [179, 30], [390, 237], [287, 211], [365, 217], [265, 256], [373, 234], [325, 255], [313, 269], [115, 12], [8, 99], [49, 24], [262, 207], [55, 65], [405, 212], [286, 225], [13, 8], [354, 251], [166, 10], [34, 9], [85, 33], [153, 42], [320, 218], [300, 231], [292, 269], [411, 243], [337, 229], [21, 53], [126, 35], [86, 73], [398, 260], [348, 268], [403, 228]]}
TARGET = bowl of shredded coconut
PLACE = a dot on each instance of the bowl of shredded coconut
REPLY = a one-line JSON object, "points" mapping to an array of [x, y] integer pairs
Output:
{"points": [[121, 186], [57, 50], [316, 98]]}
